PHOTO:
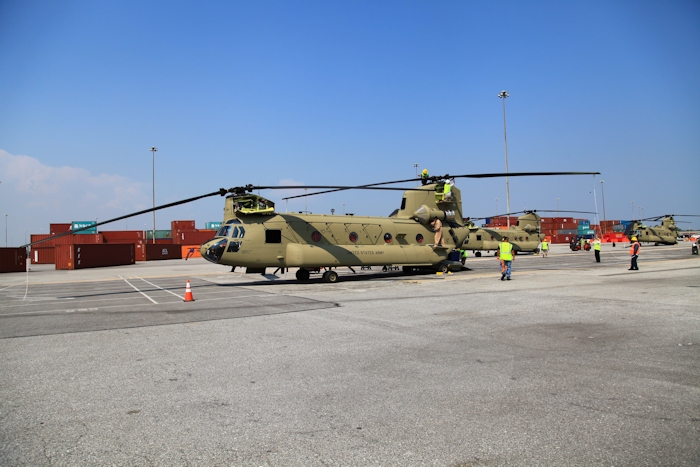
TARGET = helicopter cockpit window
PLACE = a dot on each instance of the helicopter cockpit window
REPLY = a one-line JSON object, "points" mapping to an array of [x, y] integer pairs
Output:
{"points": [[235, 232], [403, 204], [273, 236], [223, 231]]}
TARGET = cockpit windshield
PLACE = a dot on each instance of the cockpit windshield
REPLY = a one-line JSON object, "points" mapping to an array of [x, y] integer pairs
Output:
{"points": [[223, 231]]}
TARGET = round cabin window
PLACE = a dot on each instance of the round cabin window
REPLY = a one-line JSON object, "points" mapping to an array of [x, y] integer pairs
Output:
{"points": [[387, 237], [419, 238], [353, 237], [316, 236]]}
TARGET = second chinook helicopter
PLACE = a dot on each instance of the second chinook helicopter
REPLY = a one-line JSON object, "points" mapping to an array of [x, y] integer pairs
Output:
{"points": [[526, 236]]}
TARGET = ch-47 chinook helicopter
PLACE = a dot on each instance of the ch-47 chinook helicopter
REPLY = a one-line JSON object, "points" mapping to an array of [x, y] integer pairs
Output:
{"points": [[525, 236], [664, 234], [253, 235]]}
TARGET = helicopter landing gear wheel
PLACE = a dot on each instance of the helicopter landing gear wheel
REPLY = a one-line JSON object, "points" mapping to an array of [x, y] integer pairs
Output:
{"points": [[477, 254], [444, 268], [330, 276], [303, 274], [407, 269]]}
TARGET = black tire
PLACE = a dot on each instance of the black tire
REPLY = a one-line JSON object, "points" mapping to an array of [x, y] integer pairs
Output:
{"points": [[477, 254], [303, 274], [444, 268], [330, 276]]}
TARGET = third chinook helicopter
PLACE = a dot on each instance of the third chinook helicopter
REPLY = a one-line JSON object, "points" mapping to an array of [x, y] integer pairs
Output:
{"points": [[665, 234]]}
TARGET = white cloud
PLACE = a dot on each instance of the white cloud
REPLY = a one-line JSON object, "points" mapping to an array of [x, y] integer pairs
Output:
{"points": [[34, 194]]}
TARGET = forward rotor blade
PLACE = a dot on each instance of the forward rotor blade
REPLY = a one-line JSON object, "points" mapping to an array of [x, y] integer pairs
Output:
{"points": [[221, 192]]}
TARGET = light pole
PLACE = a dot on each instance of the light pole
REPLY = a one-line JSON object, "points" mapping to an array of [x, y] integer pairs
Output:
{"points": [[642, 210], [153, 152], [503, 95], [602, 194], [415, 166]]}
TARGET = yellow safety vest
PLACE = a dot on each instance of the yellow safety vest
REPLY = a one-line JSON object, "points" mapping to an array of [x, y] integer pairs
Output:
{"points": [[506, 251], [596, 245], [545, 245]]}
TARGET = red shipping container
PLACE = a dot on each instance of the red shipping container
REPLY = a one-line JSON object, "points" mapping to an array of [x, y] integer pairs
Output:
{"points": [[66, 239], [13, 259], [158, 252], [140, 253], [182, 225], [59, 228], [82, 256], [110, 235], [193, 237], [43, 255]]}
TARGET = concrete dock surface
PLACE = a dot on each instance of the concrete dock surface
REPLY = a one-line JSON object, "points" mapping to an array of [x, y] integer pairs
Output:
{"points": [[572, 363]]}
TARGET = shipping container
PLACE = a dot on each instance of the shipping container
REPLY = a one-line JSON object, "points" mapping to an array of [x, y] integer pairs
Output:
{"points": [[76, 225], [43, 255], [159, 252], [59, 228], [190, 251], [182, 225], [66, 239], [193, 237], [212, 225], [82, 256], [111, 235], [140, 252], [159, 234], [13, 259]]}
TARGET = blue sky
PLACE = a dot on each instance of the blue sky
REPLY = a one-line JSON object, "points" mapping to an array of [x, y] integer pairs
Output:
{"points": [[346, 92]]}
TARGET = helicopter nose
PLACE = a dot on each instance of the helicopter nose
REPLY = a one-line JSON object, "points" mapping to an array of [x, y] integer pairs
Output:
{"points": [[213, 251]]}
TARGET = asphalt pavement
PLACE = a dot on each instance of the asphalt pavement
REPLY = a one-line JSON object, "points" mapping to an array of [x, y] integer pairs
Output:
{"points": [[572, 363]]}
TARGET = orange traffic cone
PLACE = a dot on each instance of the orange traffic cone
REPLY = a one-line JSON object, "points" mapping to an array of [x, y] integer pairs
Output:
{"points": [[188, 293]]}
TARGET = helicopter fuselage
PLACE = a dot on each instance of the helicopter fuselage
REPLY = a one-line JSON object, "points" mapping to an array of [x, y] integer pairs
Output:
{"points": [[254, 236]]}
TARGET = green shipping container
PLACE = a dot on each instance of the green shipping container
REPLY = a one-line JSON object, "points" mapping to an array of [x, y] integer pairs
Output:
{"points": [[75, 225], [212, 225], [159, 234]]}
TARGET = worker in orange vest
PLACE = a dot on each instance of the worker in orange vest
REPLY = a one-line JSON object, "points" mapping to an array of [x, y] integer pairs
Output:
{"points": [[634, 253]]}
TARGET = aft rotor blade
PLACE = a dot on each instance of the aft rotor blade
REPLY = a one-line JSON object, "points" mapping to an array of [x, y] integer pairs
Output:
{"points": [[220, 192], [434, 179]]}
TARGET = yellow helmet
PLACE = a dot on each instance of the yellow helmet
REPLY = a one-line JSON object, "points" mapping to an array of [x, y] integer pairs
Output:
{"points": [[425, 171], [634, 239]]}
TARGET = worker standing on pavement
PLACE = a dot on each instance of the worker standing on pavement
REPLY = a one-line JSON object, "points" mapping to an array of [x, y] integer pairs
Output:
{"points": [[596, 249], [634, 254], [505, 254], [545, 248]]}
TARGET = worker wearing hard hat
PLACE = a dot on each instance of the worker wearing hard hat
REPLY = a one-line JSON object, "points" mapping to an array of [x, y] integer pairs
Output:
{"points": [[634, 253], [424, 177], [596, 249]]}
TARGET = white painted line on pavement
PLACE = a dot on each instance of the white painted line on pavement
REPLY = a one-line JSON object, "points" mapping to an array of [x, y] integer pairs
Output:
{"points": [[132, 285], [161, 288]]}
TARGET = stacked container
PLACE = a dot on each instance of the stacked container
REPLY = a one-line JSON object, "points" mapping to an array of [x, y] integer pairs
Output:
{"points": [[13, 259]]}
